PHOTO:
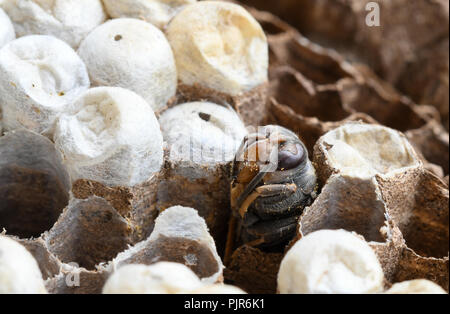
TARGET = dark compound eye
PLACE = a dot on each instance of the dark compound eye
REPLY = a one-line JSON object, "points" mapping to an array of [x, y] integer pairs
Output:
{"points": [[290, 156]]}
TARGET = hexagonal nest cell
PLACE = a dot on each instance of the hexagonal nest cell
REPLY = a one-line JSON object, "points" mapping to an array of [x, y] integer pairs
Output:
{"points": [[318, 88]]}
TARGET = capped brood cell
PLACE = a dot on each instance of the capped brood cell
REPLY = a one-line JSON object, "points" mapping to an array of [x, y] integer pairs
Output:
{"points": [[56, 76], [113, 148], [156, 12], [158, 278], [67, 20], [221, 54], [131, 54], [330, 262], [7, 32]]}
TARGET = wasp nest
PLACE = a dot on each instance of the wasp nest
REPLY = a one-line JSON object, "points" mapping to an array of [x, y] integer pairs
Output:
{"points": [[157, 12], [132, 54], [221, 53], [56, 76], [70, 21], [116, 160]]}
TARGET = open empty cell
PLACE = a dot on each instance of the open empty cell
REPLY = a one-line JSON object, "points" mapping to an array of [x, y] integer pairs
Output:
{"points": [[89, 232], [297, 92], [311, 60], [348, 203], [421, 215], [386, 110], [34, 185]]}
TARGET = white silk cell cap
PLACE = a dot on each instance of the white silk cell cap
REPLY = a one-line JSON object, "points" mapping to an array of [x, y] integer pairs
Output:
{"points": [[330, 262], [19, 271], [159, 278], [219, 45], [132, 54], [365, 150], [7, 32], [68, 20], [156, 12], [112, 136], [202, 132], [418, 286], [40, 77]]}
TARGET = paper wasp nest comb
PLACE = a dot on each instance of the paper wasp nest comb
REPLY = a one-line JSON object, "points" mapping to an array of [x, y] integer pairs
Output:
{"points": [[19, 271], [157, 12], [68, 20], [7, 32], [221, 52], [132, 54], [391, 190], [55, 77], [92, 234]]}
